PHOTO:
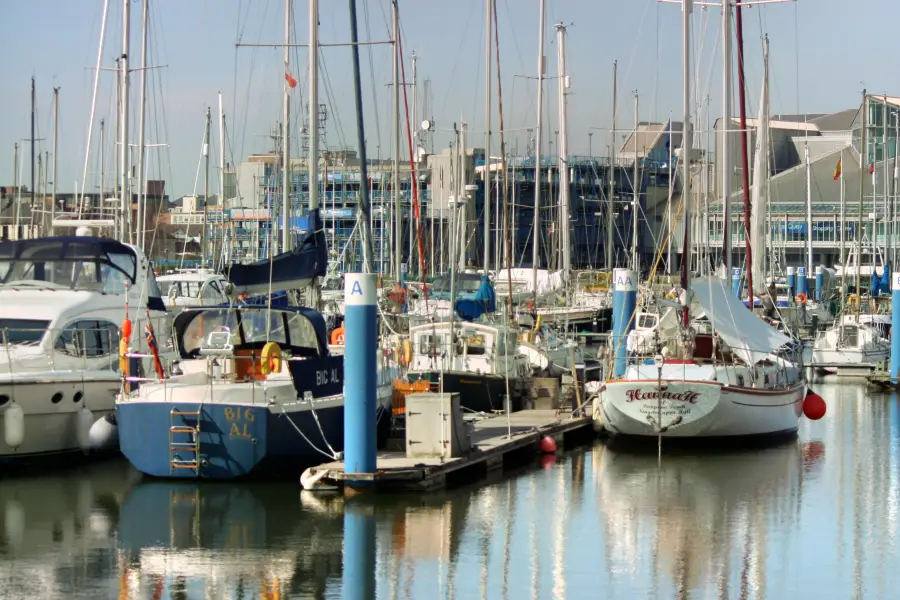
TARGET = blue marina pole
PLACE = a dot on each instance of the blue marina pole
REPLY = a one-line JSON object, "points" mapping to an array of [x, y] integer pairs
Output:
{"points": [[820, 282], [359, 551], [736, 281], [791, 282], [360, 375], [625, 286], [802, 284], [895, 325]]}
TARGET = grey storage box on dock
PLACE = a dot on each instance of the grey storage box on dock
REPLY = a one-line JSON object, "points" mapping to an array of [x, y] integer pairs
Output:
{"points": [[434, 426]]}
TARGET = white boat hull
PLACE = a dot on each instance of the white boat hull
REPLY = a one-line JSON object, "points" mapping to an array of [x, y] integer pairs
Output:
{"points": [[50, 427], [692, 409]]}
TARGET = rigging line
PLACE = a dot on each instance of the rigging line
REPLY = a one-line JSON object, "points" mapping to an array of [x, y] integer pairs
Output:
{"points": [[365, 6], [457, 55], [414, 184], [329, 93], [253, 59], [637, 40]]}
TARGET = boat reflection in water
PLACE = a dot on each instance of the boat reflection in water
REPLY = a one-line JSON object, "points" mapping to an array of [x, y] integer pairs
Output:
{"points": [[58, 532], [227, 539], [700, 522]]}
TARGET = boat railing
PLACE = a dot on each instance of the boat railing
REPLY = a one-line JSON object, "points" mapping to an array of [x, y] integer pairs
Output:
{"points": [[104, 345]]}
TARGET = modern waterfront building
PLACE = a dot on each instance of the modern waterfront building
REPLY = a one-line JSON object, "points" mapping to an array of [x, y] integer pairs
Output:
{"points": [[810, 148]]}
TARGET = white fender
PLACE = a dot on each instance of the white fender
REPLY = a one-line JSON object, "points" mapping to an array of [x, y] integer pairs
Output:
{"points": [[310, 480], [104, 432], [84, 420], [14, 425]]}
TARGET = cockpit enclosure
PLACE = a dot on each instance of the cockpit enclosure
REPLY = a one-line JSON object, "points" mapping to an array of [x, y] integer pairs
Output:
{"points": [[298, 331], [81, 263]]}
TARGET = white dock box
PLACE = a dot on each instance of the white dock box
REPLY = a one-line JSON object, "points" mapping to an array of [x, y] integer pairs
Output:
{"points": [[434, 424]]}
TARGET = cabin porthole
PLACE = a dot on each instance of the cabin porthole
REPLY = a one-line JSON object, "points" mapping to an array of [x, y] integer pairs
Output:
{"points": [[3, 399], [77, 397], [57, 398]]}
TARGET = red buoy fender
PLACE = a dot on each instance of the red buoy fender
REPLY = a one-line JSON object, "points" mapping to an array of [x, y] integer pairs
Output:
{"points": [[814, 406], [548, 445]]}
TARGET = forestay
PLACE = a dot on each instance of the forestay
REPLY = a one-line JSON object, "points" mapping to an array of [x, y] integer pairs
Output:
{"points": [[749, 337]]}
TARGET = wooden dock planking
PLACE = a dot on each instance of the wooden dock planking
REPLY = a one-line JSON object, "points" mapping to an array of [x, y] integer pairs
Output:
{"points": [[490, 445]]}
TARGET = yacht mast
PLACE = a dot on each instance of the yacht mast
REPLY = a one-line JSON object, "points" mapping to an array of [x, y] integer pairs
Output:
{"points": [[686, 9], [488, 14], [610, 220], [395, 178], [125, 232], [863, 156], [726, 136], [55, 146], [222, 206], [563, 150], [287, 239], [141, 195], [535, 229], [204, 251], [636, 194]]}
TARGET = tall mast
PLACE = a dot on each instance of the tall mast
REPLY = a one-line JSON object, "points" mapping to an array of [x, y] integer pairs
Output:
{"points": [[414, 176], [809, 246], [636, 193], [142, 199], [222, 167], [843, 227], [488, 13], [125, 232], [535, 233], [365, 208], [395, 177], [863, 157], [204, 250], [33, 99], [745, 167], [726, 136], [610, 220], [18, 195], [102, 161], [686, 8], [55, 148], [563, 150], [287, 223]]}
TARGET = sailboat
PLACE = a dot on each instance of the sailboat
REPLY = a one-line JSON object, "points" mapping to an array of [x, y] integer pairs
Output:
{"points": [[256, 389], [724, 374]]}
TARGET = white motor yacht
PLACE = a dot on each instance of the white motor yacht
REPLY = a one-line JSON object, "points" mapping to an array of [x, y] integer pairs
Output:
{"points": [[193, 288], [64, 299]]}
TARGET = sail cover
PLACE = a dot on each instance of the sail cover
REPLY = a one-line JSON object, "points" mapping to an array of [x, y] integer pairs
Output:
{"points": [[289, 270], [748, 336]]}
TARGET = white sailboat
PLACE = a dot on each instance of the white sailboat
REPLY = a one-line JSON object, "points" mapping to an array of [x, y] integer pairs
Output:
{"points": [[733, 381]]}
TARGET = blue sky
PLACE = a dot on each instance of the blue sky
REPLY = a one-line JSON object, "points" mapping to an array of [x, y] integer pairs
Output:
{"points": [[821, 53]]}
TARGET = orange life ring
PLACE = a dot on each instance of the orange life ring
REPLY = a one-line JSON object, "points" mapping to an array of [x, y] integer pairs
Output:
{"points": [[338, 336], [800, 298]]}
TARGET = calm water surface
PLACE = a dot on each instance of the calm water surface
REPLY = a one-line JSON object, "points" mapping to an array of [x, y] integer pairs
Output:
{"points": [[814, 518]]}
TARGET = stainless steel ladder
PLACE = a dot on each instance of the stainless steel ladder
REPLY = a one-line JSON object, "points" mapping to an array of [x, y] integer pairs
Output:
{"points": [[191, 447]]}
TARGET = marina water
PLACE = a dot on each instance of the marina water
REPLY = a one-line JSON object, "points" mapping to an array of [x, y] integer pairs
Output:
{"points": [[812, 518]]}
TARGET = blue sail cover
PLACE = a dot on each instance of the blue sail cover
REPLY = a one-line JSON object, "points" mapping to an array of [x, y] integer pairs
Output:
{"points": [[875, 281], [288, 270], [483, 301], [886, 278]]}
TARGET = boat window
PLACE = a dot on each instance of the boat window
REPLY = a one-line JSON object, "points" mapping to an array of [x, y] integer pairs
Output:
{"points": [[646, 321], [261, 326], [430, 345], [301, 332], [849, 335], [475, 344], [198, 330], [22, 331], [88, 338]]}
